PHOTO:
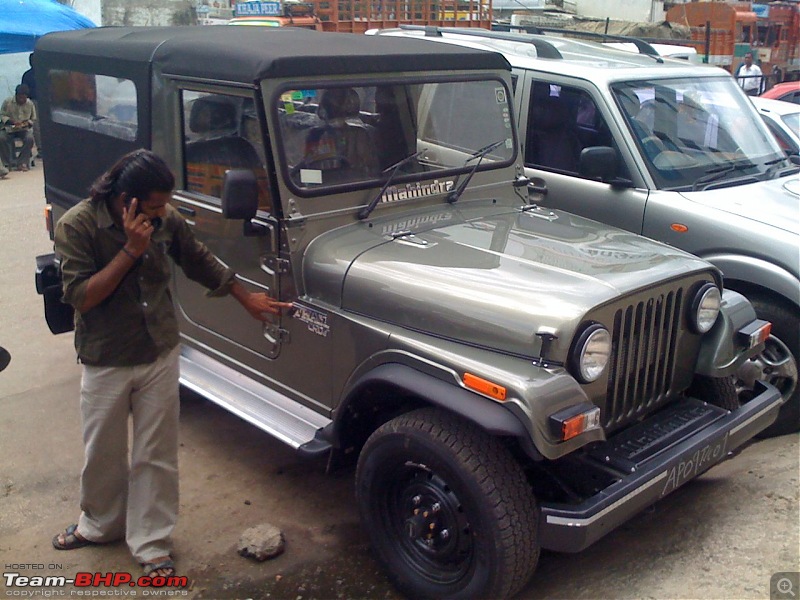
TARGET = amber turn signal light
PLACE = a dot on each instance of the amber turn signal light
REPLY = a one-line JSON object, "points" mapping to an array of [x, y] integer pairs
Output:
{"points": [[484, 386], [574, 420], [755, 333]]}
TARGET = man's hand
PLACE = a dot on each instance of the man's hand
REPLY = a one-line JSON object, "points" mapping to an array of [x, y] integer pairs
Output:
{"points": [[138, 229], [258, 304]]}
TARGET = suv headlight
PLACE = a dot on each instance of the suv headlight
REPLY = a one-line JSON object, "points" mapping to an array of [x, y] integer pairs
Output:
{"points": [[705, 308], [590, 353]]}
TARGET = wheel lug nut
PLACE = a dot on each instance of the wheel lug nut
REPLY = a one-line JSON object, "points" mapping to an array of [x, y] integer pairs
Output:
{"points": [[416, 500], [436, 507], [444, 534]]}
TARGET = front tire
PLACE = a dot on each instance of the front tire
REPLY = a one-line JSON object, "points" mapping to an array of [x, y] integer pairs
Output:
{"points": [[719, 391], [447, 507], [777, 364]]}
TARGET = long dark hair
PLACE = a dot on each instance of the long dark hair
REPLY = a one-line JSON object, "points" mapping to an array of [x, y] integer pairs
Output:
{"points": [[138, 174]]}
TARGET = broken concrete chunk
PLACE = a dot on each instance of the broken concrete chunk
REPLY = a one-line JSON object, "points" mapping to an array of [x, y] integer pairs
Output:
{"points": [[262, 542]]}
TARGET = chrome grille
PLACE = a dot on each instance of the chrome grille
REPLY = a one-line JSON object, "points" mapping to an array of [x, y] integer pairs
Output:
{"points": [[643, 356]]}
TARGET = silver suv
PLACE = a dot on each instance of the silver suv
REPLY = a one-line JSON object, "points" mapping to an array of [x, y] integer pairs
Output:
{"points": [[507, 377], [669, 150]]}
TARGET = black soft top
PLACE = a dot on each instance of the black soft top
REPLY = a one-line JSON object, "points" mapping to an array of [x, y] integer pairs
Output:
{"points": [[249, 54]]}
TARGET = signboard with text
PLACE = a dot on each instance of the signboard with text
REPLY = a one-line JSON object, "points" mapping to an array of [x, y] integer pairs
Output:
{"points": [[257, 9]]}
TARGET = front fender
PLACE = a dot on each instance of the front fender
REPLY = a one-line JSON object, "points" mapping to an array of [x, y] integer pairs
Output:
{"points": [[720, 351], [756, 271], [494, 418]]}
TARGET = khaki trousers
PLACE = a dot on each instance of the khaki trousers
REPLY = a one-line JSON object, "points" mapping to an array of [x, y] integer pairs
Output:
{"points": [[140, 501]]}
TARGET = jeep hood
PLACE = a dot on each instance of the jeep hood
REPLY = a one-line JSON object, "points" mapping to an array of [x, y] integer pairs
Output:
{"points": [[491, 280], [775, 202]]}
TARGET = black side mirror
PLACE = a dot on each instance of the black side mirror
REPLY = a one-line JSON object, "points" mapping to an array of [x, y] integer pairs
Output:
{"points": [[239, 194], [598, 162], [601, 163]]}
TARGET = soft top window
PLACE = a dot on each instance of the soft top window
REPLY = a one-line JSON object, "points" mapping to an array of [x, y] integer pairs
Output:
{"points": [[98, 103]]}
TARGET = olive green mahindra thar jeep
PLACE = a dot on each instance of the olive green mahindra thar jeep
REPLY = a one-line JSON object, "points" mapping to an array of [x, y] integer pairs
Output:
{"points": [[508, 377]]}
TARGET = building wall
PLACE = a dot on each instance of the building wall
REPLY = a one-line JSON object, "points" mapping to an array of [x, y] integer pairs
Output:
{"points": [[630, 10], [91, 9], [148, 12]]}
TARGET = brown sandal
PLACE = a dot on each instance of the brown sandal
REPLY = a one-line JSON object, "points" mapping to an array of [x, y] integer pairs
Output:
{"points": [[72, 540]]}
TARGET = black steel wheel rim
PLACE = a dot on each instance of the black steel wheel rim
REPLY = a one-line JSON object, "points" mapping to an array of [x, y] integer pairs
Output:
{"points": [[427, 522]]}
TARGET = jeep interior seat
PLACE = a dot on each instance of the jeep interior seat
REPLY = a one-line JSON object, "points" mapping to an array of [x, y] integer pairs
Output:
{"points": [[215, 119], [343, 142], [220, 148]]}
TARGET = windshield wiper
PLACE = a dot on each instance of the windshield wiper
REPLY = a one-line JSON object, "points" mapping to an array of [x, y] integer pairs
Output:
{"points": [[777, 165], [716, 173], [365, 212], [479, 154]]}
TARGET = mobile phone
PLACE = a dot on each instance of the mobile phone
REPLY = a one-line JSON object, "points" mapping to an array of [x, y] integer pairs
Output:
{"points": [[156, 222]]}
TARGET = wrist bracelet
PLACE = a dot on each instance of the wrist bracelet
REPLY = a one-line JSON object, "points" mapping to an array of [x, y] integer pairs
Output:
{"points": [[129, 253]]}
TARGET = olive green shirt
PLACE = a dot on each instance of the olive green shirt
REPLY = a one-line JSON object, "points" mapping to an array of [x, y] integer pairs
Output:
{"points": [[137, 322]]}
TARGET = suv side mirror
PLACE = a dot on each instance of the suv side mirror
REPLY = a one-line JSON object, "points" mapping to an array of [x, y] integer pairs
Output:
{"points": [[601, 164], [239, 194], [598, 162]]}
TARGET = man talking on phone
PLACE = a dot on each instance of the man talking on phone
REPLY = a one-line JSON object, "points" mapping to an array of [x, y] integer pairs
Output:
{"points": [[114, 249]]}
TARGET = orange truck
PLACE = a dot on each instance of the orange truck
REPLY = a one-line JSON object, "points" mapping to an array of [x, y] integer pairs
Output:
{"points": [[357, 16], [725, 31]]}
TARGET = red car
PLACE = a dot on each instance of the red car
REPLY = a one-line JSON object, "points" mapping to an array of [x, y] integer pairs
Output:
{"points": [[788, 91]]}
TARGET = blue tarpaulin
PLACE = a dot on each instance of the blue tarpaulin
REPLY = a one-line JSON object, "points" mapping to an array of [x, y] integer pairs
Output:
{"points": [[22, 22]]}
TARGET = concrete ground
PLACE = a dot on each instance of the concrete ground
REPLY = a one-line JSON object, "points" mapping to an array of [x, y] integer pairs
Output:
{"points": [[722, 536]]}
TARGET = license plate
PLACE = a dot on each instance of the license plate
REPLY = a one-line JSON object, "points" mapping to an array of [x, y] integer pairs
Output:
{"points": [[691, 465]]}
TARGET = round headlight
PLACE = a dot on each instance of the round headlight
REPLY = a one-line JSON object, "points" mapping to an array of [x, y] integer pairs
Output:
{"points": [[705, 308], [591, 353]]}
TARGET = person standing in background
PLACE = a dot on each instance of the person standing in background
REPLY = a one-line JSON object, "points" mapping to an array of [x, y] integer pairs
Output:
{"points": [[750, 76], [29, 79]]}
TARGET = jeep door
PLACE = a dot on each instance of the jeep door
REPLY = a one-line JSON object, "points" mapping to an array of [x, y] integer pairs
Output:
{"points": [[558, 119], [215, 139]]}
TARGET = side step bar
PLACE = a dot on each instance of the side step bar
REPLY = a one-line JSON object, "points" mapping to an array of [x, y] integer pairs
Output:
{"points": [[281, 417]]}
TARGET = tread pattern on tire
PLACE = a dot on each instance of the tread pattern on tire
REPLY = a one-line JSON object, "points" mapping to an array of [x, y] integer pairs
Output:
{"points": [[719, 391], [498, 475], [781, 317]]}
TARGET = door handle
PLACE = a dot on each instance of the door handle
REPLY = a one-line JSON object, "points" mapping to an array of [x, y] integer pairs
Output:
{"points": [[185, 210], [537, 189]]}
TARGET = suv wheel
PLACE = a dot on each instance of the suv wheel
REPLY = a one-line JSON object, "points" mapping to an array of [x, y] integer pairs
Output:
{"points": [[447, 508], [719, 391], [776, 364]]}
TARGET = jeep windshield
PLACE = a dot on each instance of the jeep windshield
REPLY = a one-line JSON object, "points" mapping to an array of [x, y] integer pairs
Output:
{"points": [[361, 136], [697, 133]]}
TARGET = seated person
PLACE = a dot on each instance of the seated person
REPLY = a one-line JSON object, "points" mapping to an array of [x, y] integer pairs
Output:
{"points": [[18, 115], [343, 143]]}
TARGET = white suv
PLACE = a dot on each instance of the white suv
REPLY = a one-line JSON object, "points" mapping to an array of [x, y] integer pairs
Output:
{"points": [[667, 149]]}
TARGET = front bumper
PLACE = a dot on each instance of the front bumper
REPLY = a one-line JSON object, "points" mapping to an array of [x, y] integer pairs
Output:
{"points": [[700, 436]]}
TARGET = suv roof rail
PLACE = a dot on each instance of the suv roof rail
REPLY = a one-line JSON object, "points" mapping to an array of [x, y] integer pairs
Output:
{"points": [[544, 49], [642, 46]]}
